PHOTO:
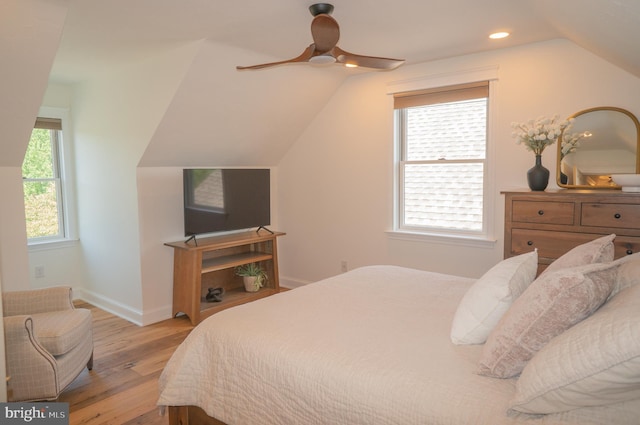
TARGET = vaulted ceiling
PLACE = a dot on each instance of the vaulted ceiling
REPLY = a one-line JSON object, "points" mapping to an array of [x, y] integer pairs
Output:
{"points": [[99, 34], [222, 116]]}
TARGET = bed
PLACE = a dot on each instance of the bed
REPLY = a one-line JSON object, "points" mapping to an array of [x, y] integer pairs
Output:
{"points": [[370, 346]]}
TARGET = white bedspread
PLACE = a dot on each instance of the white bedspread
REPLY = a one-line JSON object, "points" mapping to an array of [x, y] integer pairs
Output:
{"points": [[370, 346]]}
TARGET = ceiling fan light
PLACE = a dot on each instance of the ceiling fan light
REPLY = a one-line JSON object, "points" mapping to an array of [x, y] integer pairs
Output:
{"points": [[499, 35], [322, 60], [351, 65]]}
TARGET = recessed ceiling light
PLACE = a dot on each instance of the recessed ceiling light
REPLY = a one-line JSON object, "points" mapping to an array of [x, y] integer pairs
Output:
{"points": [[498, 35]]}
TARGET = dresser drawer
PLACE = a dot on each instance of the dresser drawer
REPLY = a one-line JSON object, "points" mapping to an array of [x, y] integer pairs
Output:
{"points": [[549, 244], [611, 215], [543, 212], [626, 246], [552, 245]]}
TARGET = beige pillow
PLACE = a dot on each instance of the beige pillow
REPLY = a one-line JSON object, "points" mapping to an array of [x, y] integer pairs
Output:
{"points": [[552, 304], [490, 297], [600, 250], [596, 362]]}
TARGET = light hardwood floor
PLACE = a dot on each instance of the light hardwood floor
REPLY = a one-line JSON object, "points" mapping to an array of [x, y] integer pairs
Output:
{"points": [[122, 388]]}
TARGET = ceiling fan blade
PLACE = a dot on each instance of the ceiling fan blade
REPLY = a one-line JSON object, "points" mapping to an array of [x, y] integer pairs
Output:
{"points": [[304, 57], [325, 32], [345, 57]]}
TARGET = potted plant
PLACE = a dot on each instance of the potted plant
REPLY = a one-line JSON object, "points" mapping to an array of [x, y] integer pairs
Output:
{"points": [[252, 275]]}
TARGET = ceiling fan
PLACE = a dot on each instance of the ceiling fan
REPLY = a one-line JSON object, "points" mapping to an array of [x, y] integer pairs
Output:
{"points": [[326, 33]]}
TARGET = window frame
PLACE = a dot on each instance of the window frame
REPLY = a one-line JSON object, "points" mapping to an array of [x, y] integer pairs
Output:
{"points": [[484, 238], [63, 175]]}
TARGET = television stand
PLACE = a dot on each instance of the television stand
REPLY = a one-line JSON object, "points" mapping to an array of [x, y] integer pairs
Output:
{"points": [[192, 237], [212, 263]]}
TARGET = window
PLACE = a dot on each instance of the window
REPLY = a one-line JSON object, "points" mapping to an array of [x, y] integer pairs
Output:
{"points": [[441, 139], [43, 182]]}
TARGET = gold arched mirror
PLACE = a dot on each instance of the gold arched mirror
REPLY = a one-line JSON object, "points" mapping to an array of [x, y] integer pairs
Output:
{"points": [[600, 142]]}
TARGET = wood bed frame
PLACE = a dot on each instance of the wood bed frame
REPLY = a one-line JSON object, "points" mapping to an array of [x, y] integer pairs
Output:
{"points": [[190, 415]]}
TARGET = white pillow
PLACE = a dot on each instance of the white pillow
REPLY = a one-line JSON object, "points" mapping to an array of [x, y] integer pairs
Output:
{"points": [[491, 296], [628, 273], [596, 362]]}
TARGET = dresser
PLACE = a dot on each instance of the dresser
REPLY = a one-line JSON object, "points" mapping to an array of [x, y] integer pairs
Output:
{"points": [[556, 221]]}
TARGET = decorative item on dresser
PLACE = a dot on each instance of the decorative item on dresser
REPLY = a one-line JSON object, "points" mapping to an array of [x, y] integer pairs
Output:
{"points": [[536, 135], [556, 221], [600, 142], [628, 182]]}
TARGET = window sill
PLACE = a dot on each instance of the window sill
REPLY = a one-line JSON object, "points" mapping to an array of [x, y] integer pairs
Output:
{"points": [[458, 240], [54, 244]]}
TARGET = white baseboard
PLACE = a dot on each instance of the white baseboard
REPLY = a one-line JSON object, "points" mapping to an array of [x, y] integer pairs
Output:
{"points": [[157, 315], [291, 283], [109, 305], [149, 317]]}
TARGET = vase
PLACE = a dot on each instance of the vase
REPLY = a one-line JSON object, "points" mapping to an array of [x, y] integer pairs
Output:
{"points": [[538, 176], [250, 283], [564, 179]]}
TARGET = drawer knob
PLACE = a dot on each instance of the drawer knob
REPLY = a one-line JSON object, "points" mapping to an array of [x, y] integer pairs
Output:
{"points": [[617, 215], [629, 251], [529, 243], [540, 212]]}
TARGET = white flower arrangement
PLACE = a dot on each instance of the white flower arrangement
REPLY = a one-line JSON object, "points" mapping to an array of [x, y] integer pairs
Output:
{"points": [[570, 141], [537, 134]]}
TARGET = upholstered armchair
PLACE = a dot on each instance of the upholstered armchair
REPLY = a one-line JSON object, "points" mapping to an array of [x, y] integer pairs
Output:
{"points": [[48, 342]]}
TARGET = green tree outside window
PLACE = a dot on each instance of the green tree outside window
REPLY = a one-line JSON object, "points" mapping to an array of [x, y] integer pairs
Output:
{"points": [[41, 185]]}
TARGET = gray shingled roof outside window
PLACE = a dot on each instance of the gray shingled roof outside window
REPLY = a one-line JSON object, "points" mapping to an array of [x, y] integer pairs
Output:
{"points": [[444, 194]]}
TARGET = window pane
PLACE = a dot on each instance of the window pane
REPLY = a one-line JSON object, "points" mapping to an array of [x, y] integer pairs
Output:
{"points": [[38, 161], [447, 196], [455, 130], [41, 208]]}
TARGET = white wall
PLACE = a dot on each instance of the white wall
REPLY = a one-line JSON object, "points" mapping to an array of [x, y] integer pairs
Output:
{"points": [[13, 246], [29, 34], [222, 116], [3, 366], [336, 182], [160, 209], [115, 116]]}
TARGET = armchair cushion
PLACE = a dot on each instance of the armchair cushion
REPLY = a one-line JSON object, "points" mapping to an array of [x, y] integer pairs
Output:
{"points": [[60, 331]]}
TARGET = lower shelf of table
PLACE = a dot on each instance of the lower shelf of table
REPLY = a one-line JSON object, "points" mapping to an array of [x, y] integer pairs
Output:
{"points": [[232, 298]]}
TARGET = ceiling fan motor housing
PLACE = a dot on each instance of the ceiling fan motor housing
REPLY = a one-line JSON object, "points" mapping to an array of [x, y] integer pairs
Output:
{"points": [[321, 8]]}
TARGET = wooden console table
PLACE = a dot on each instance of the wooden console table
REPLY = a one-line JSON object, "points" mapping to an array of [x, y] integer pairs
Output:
{"points": [[211, 264]]}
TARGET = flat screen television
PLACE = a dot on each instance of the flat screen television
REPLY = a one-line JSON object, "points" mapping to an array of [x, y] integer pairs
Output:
{"points": [[218, 200]]}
